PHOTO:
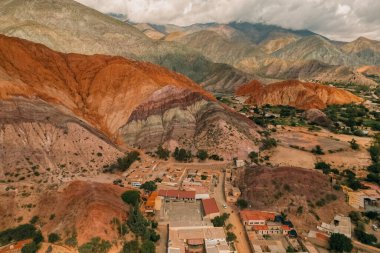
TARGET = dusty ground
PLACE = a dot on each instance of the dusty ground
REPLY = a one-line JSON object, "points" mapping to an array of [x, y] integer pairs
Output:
{"points": [[288, 189], [336, 147], [82, 208]]}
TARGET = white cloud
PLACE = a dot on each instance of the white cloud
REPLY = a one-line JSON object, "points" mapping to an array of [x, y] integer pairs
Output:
{"points": [[336, 19]]}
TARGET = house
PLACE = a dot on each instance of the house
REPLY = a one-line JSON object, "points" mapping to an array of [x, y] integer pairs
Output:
{"points": [[239, 163], [339, 225], [253, 217], [264, 246], [367, 199], [14, 247], [210, 208], [192, 240], [177, 195], [271, 228], [153, 203], [201, 192]]}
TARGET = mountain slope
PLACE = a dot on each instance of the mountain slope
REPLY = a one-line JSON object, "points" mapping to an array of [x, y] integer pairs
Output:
{"points": [[45, 137], [316, 48], [114, 93], [366, 49], [297, 94], [67, 26]]}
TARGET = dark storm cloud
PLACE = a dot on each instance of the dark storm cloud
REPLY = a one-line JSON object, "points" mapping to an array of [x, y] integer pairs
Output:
{"points": [[336, 19]]}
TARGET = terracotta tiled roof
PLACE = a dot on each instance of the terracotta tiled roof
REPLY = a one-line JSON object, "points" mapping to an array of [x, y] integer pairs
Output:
{"points": [[247, 215], [210, 206], [286, 228], [260, 227], [177, 194], [151, 200]]}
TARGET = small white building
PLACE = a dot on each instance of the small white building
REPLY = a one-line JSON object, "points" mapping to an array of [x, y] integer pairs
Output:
{"points": [[339, 225]]}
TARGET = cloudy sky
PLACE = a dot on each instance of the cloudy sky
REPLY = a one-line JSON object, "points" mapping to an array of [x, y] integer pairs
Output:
{"points": [[336, 19]]}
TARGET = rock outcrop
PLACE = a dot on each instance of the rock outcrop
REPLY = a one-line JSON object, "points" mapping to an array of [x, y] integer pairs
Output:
{"points": [[296, 93], [315, 116]]}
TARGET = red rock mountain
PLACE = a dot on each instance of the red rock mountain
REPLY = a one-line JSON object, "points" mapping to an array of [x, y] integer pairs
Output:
{"points": [[138, 103], [296, 93]]}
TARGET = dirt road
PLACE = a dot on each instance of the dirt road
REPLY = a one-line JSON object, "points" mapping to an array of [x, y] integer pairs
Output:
{"points": [[242, 244]]}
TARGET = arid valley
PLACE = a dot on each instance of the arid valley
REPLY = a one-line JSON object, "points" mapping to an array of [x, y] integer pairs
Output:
{"points": [[123, 129]]}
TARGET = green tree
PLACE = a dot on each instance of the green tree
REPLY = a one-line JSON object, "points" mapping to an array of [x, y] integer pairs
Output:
{"points": [[22, 232], [136, 222], [148, 247], [219, 221], [162, 153], [149, 186], [131, 197], [365, 238], [340, 243], [182, 155], [131, 247], [96, 245], [53, 237], [202, 154], [242, 203], [230, 237], [123, 163], [30, 248]]}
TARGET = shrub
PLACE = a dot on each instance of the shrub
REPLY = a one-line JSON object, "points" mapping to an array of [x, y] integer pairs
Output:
{"points": [[123, 163], [216, 158], [317, 150], [148, 247], [34, 220], [365, 238], [269, 143], [242, 203], [96, 245], [202, 154], [354, 145], [253, 156], [71, 241], [131, 247], [53, 237]]}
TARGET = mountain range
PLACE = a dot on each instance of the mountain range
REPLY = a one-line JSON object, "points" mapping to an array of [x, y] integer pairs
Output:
{"points": [[220, 57], [271, 52]]}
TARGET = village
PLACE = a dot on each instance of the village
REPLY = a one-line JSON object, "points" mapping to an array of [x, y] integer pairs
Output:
{"points": [[198, 210]]}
